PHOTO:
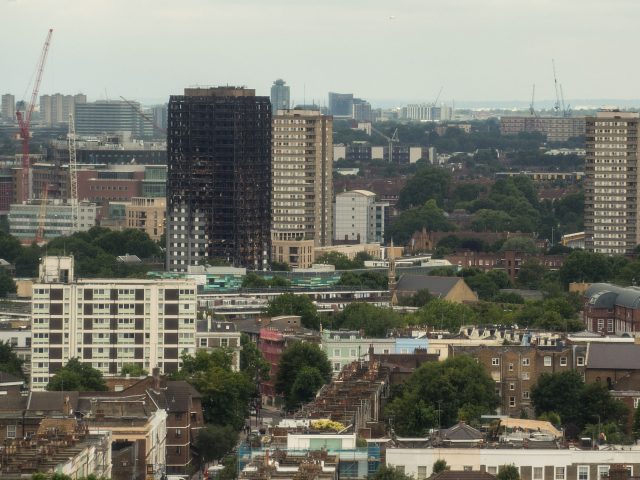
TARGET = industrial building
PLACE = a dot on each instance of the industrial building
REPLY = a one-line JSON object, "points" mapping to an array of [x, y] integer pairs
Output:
{"points": [[302, 189], [219, 178], [610, 189]]}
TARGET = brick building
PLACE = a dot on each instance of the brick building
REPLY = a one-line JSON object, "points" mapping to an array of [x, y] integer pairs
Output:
{"points": [[611, 309]]}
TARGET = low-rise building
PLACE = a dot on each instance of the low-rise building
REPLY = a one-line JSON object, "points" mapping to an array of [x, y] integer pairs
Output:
{"points": [[451, 289], [147, 214], [610, 309], [212, 334]]}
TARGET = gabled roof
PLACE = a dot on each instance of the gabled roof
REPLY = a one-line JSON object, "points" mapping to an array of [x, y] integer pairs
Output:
{"points": [[462, 433], [614, 356], [437, 286], [51, 401]]}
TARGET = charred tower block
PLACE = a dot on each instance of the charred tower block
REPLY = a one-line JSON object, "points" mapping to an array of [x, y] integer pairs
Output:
{"points": [[219, 178]]}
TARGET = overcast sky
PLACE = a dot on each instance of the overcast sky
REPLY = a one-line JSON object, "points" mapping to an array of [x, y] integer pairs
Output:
{"points": [[393, 50]]}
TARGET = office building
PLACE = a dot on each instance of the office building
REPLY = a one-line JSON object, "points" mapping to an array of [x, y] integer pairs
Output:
{"points": [[361, 111], [108, 322], [280, 96], [341, 104], [555, 129], [219, 178], [159, 114], [8, 108], [423, 112], [112, 116], [55, 109], [359, 217], [611, 183], [302, 190], [55, 219]]}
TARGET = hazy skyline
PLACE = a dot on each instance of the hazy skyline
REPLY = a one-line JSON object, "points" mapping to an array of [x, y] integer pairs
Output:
{"points": [[383, 51]]}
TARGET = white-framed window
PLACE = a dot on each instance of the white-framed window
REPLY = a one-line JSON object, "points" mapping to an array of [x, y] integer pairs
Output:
{"points": [[11, 431], [203, 342], [538, 473], [495, 361], [422, 472], [525, 394], [580, 361], [525, 362], [600, 324], [636, 402], [525, 375], [603, 471], [559, 473], [512, 386], [547, 361], [336, 352], [511, 367], [224, 342], [563, 361], [583, 472], [336, 367], [512, 401]]}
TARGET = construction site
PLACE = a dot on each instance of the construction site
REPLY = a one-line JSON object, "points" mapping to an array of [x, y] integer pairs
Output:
{"points": [[219, 178]]}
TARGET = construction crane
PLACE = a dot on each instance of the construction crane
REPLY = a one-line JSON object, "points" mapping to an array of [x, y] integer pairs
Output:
{"points": [[73, 174], [435, 102], [24, 119], [556, 106], [532, 110], [392, 139], [139, 111], [565, 111]]}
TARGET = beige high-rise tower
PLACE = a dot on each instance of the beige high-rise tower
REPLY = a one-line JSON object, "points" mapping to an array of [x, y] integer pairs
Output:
{"points": [[611, 182], [302, 191]]}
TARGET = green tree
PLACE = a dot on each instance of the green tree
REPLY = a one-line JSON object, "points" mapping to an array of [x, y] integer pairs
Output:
{"points": [[298, 359], [133, 370], [10, 247], [531, 274], [375, 321], [459, 387], [444, 315], [252, 280], [280, 267], [7, 284], [440, 465], [418, 299], [291, 304], [635, 427], [581, 266], [373, 280], [225, 393], [508, 472], [388, 472], [307, 382], [428, 216], [428, 183], [9, 361], [215, 441], [252, 362], [77, 376], [520, 244]]}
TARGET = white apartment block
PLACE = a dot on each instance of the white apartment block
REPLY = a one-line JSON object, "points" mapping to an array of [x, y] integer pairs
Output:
{"points": [[611, 183], [358, 216], [108, 322]]}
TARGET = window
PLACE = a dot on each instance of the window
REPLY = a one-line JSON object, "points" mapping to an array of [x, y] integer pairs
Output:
{"points": [[178, 432], [512, 386], [525, 375], [559, 473], [203, 342], [583, 472], [11, 431], [563, 361], [538, 473], [525, 362], [492, 470], [636, 402], [525, 394], [600, 324], [511, 367], [422, 472], [580, 361], [178, 450], [354, 352], [336, 352], [336, 367], [224, 342], [603, 471], [547, 361], [512, 401], [495, 362]]}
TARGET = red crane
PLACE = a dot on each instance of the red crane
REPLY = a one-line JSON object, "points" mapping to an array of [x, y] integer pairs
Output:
{"points": [[24, 120]]}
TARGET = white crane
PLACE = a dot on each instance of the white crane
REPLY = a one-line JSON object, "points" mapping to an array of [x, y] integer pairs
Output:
{"points": [[73, 173], [391, 139]]}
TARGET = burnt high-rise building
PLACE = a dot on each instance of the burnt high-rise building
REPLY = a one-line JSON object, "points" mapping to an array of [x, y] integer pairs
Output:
{"points": [[219, 178]]}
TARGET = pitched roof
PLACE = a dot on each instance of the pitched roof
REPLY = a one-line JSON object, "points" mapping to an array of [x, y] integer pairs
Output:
{"points": [[51, 401], [461, 433], [437, 286], [617, 356], [178, 394], [8, 378]]}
